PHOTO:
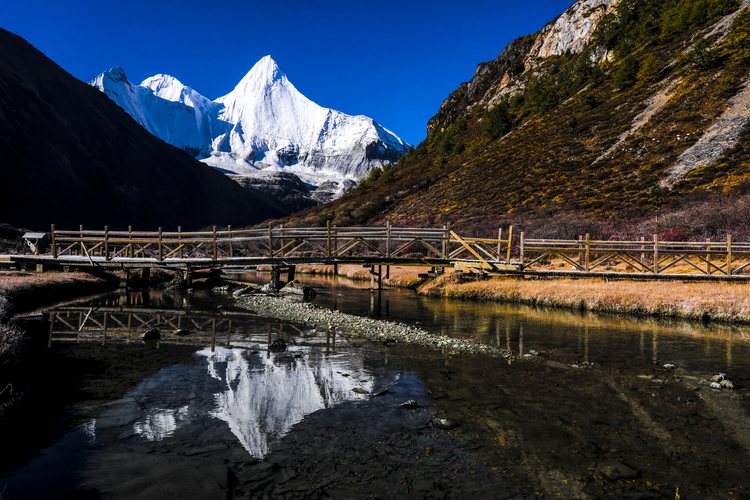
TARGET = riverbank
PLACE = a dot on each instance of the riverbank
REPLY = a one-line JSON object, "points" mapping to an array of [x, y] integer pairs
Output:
{"points": [[23, 291], [717, 301], [401, 277], [27, 290]]}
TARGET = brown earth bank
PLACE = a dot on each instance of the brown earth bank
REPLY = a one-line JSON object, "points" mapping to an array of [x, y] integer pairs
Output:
{"points": [[727, 302], [718, 301]]}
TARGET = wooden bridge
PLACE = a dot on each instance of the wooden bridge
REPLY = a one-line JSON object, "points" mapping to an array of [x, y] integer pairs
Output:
{"points": [[438, 248]]}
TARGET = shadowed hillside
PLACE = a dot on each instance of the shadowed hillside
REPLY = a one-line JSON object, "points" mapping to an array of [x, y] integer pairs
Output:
{"points": [[69, 156], [645, 116]]}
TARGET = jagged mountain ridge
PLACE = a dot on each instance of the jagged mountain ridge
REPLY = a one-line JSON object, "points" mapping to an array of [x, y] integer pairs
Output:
{"points": [[265, 123], [600, 118], [70, 156]]}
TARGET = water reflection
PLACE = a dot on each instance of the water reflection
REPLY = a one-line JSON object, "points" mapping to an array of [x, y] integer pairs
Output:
{"points": [[263, 398], [259, 396], [587, 337]]}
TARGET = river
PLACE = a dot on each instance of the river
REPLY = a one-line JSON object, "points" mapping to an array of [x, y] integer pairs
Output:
{"points": [[593, 412]]}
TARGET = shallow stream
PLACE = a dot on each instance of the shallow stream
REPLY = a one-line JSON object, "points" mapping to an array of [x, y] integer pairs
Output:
{"points": [[216, 413]]}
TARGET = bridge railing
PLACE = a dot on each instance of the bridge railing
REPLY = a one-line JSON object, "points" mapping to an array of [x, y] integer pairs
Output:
{"points": [[331, 241], [585, 255]]}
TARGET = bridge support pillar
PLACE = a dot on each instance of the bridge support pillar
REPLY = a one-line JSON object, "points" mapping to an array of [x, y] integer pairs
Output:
{"points": [[188, 276], [379, 275], [146, 275], [276, 277], [125, 279]]}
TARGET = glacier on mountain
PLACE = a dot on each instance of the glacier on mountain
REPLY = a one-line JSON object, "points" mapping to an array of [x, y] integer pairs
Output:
{"points": [[264, 124]]}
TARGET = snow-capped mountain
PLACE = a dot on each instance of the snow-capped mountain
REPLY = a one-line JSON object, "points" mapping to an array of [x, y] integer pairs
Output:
{"points": [[264, 123]]}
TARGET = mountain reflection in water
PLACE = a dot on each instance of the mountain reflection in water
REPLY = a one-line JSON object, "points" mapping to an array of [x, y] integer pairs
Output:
{"points": [[260, 396], [264, 397]]}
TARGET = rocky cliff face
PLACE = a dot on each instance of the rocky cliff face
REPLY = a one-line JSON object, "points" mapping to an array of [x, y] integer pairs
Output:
{"points": [[571, 31], [499, 79]]}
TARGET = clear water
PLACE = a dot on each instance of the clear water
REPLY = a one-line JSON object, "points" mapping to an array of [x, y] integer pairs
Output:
{"points": [[552, 423]]}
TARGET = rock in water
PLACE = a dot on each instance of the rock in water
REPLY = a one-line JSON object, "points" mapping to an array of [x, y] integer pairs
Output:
{"points": [[152, 334], [277, 345], [444, 424], [616, 470], [297, 288]]}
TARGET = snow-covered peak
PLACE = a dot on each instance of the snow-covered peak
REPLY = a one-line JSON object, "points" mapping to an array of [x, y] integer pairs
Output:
{"points": [[116, 74], [170, 88], [265, 122]]}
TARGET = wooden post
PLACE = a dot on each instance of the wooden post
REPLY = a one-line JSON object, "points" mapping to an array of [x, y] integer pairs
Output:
{"points": [[580, 250], [380, 278], [643, 248], [510, 242], [51, 328], [104, 329], [80, 235], [270, 240], [499, 237], [656, 254], [708, 256], [388, 240], [130, 253], [106, 243], [216, 250], [521, 249], [52, 238], [328, 227], [161, 250], [283, 252], [179, 239], [231, 247], [729, 255], [213, 335], [587, 255], [448, 241]]}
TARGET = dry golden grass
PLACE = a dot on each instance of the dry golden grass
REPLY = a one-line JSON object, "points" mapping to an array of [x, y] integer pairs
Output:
{"points": [[18, 282], [402, 277], [716, 301]]}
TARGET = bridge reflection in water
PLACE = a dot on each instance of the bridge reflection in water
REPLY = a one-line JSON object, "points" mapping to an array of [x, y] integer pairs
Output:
{"points": [[237, 377]]}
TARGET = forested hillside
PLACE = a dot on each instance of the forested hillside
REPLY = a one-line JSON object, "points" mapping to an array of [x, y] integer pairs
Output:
{"points": [[642, 130]]}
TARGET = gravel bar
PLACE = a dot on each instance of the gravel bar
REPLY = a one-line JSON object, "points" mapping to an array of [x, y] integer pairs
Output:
{"points": [[373, 329]]}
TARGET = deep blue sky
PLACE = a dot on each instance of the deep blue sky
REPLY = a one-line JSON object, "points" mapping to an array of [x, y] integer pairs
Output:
{"points": [[394, 61]]}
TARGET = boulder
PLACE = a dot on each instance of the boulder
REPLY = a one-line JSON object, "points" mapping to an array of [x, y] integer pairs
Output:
{"points": [[616, 470], [297, 288], [152, 334], [277, 345]]}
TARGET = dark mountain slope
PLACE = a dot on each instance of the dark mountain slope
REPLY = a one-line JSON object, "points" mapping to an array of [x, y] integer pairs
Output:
{"points": [[70, 156]]}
